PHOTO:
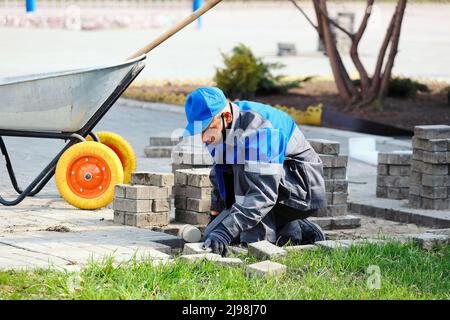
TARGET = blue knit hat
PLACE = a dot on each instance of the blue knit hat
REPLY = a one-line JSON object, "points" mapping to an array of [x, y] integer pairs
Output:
{"points": [[202, 105]]}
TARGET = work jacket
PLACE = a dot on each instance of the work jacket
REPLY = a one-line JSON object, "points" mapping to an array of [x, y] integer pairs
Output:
{"points": [[270, 162]]}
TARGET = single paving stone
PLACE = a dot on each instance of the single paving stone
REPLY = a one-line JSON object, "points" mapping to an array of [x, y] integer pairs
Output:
{"points": [[331, 244], [156, 179], [393, 181], [137, 192], [199, 178], [306, 247], [158, 152], [200, 257], [147, 219], [331, 161], [198, 193], [191, 217], [181, 176], [229, 261], [431, 157], [402, 157], [336, 185], [160, 205], [119, 217], [438, 145], [130, 205], [194, 248], [238, 250], [429, 168], [265, 250], [119, 190], [332, 210], [179, 190], [323, 146], [399, 170], [383, 169], [164, 141], [266, 268], [432, 132], [180, 202], [198, 205]]}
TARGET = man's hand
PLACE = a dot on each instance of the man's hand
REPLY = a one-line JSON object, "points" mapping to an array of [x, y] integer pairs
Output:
{"points": [[218, 240]]}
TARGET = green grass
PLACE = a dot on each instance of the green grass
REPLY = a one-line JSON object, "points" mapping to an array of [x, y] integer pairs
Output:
{"points": [[407, 272]]}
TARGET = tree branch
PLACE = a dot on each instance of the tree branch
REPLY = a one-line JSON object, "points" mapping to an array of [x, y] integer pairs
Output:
{"points": [[325, 14], [365, 81], [400, 11], [304, 14], [380, 60]]}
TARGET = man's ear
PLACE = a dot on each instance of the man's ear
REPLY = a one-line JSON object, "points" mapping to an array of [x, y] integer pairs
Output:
{"points": [[228, 116]]}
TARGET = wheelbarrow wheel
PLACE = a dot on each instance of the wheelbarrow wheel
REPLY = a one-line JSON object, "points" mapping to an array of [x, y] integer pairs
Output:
{"points": [[86, 174], [123, 150]]}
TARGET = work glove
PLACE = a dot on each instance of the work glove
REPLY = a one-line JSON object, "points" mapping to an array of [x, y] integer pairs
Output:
{"points": [[218, 240]]}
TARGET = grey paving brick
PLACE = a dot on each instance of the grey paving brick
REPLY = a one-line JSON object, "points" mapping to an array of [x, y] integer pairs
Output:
{"points": [[399, 170], [393, 181], [119, 190], [402, 157], [179, 190], [147, 219], [331, 244], [429, 168], [265, 269], [430, 144], [428, 240], [137, 192], [383, 169], [265, 250], [119, 217], [338, 185], [301, 248], [164, 141], [198, 193], [199, 178], [129, 205], [431, 157], [181, 176], [332, 161], [194, 248], [432, 132], [334, 173], [191, 217], [158, 152], [332, 210], [189, 233], [160, 205], [323, 146], [198, 205], [200, 257], [180, 202]]}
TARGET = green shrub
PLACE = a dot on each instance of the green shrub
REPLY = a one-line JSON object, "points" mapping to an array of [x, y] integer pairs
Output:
{"points": [[244, 75], [399, 87]]}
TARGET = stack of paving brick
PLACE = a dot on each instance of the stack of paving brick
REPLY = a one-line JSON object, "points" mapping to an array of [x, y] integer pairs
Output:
{"points": [[161, 147], [146, 202], [192, 193], [394, 169], [430, 175], [334, 171], [190, 154]]}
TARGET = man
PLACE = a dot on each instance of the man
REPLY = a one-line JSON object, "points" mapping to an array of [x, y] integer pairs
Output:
{"points": [[266, 178]]}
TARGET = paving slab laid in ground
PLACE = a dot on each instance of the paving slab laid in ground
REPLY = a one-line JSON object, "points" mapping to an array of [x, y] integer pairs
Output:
{"points": [[265, 250], [265, 269]]}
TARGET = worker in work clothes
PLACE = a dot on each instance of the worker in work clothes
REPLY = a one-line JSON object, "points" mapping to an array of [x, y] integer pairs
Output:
{"points": [[266, 179]]}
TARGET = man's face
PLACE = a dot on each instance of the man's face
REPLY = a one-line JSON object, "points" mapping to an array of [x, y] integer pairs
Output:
{"points": [[213, 133]]}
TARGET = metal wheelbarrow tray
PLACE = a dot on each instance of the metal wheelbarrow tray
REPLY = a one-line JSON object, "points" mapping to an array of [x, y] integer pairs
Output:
{"points": [[61, 105]]}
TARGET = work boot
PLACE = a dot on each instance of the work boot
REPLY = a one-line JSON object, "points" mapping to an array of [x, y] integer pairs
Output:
{"points": [[311, 232]]}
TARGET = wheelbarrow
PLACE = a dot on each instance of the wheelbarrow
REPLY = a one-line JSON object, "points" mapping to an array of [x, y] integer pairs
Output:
{"points": [[68, 105]]}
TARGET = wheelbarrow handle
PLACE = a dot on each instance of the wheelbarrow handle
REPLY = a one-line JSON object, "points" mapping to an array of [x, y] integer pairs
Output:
{"points": [[166, 35]]}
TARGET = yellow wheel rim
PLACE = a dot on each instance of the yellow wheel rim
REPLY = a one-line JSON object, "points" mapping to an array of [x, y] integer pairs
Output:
{"points": [[123, 150], [86, 174]]}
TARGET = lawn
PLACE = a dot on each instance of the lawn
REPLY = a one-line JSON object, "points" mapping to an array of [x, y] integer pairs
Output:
{"points": [[406, 272]]}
